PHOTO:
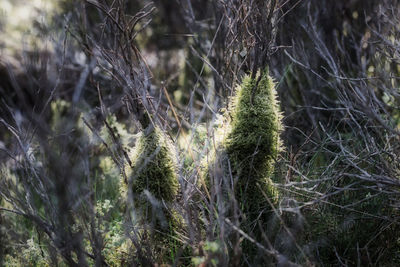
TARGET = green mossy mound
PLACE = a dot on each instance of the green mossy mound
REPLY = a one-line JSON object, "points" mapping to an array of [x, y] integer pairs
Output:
{"points": [[154, 183], [155, 166], [242, 163], [251, 143]]}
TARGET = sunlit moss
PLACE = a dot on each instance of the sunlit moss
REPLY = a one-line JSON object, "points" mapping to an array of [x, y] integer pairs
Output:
{"points": [[155, 166], [251, 143], [154, 185]]}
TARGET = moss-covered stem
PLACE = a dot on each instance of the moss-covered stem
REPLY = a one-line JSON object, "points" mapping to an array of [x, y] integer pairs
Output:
{"points": [[251, 145], [154, 185]]}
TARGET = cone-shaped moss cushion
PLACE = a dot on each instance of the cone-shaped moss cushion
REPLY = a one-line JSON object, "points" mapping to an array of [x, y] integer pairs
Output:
{"points": [[251, 144], [154, 184], [155, 166]]}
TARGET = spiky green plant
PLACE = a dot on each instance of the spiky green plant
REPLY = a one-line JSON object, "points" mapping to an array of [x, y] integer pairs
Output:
{"points": [[155, 166], [251, 145], [154, 185], [244, 158]]}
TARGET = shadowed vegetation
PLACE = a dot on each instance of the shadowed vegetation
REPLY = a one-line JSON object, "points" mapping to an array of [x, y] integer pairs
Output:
{"points": [[149, 133]]}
